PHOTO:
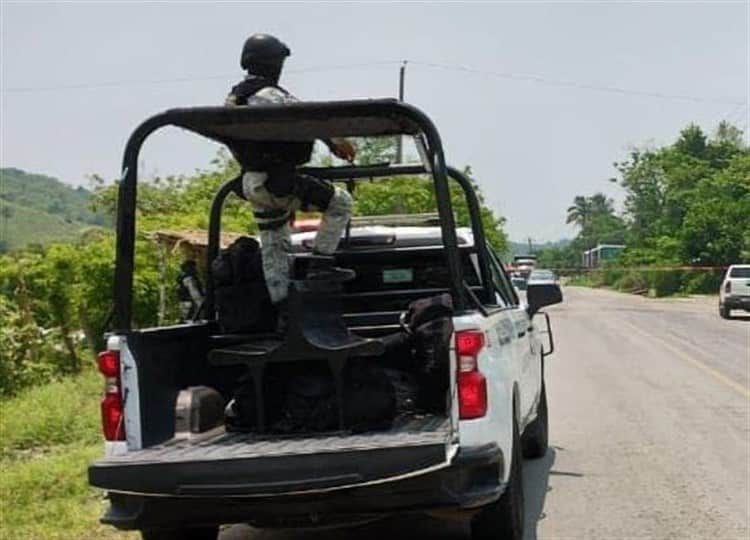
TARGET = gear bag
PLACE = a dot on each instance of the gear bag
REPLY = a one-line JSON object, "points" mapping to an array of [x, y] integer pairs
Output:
{"points": [[241, 295]]}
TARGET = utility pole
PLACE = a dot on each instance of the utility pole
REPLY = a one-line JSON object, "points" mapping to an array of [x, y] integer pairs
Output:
{"points": [[399, 140], [531, 252]]}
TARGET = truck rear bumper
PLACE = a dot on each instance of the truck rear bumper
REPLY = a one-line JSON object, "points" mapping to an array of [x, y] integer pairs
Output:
{"points": [[246, 465], [473, 479], [737, 302]]}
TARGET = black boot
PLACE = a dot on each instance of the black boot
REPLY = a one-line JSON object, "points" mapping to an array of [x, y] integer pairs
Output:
{"points": [[321, 267]]}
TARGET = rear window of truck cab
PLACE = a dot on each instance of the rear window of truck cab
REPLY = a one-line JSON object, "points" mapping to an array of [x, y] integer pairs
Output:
{"points": [[740, 272], [403, 270]]}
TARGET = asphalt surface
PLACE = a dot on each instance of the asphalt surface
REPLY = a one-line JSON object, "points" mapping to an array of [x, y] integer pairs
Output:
{"points": [[649, 426]]}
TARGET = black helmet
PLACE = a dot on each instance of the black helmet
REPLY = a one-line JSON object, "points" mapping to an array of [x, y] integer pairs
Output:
{"points": [[264, 50]]}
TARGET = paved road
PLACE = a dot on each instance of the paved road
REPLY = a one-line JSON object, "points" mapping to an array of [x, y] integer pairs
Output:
{"points": [[650, 427]]}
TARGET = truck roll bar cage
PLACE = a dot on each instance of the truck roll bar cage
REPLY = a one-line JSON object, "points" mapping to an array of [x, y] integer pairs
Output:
{"points": [[303, 122], [353, 174]]}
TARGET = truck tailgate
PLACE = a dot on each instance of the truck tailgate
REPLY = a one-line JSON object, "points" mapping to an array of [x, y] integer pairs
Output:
{"points": [[246, 465]]}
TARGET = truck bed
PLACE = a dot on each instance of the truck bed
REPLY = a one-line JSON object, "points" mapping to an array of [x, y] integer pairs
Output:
{"points": [[246, 464]]}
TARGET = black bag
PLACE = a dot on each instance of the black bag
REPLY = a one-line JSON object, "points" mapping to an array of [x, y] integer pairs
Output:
{"points": [[370, 401], [405, 390], [430, 324], [432, 345], [428, 309], [310, 405], [240, 292]]}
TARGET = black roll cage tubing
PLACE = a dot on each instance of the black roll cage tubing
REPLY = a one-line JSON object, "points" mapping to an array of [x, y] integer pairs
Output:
{"points": [[200, 119], [357, 174]]}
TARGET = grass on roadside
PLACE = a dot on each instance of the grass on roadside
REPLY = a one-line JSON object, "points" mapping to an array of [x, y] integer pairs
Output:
{"points": [[654, 282], [61, 412], [48, 497], [48, 436]]}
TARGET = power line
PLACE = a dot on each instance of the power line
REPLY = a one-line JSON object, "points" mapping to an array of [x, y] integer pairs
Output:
{"points": [[452, 67], [733, 112], [148, 82], [741, 114], [581, 86]]}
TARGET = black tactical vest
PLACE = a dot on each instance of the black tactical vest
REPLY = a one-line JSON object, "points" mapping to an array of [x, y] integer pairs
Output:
{"points": [[262, 155]]}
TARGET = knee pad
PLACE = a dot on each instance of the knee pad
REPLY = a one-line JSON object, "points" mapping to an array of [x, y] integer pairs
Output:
{"points": [[341, 202], [314, 192]]}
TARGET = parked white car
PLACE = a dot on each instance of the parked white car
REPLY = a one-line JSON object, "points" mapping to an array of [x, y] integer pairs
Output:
{"points": [[735, 290]]}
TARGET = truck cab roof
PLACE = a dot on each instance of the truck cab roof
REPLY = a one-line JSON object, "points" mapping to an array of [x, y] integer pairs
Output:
{"points": [[386, 236]]}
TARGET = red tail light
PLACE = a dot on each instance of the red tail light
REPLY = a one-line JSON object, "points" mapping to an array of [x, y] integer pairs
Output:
{"points": [[469, 342], [109, 363], [728, 287], [112, 405], [112, 418], [472, 385]]}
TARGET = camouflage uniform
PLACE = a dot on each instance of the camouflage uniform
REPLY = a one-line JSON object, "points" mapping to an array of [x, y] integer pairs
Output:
{"points": [[274, 211]]}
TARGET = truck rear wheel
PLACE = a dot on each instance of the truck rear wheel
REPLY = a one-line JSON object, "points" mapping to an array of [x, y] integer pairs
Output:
{"points": [[535, 439], [194, 533], [503, 519]]}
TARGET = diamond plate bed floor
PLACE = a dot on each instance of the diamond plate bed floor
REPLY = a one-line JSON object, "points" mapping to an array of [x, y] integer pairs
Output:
{"points": [[420, 430]]}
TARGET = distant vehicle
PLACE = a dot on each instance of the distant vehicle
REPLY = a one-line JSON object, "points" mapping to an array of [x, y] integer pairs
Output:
{"points": [[520, 285], [543, 274], [524, 264], [519, 282], [735, 290]]}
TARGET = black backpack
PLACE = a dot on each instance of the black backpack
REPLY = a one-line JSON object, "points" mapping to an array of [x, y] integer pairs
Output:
{"points": [[241, 295]]}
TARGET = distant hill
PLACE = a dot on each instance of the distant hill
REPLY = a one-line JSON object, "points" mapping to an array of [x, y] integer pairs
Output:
{"points": [[36, 209]]}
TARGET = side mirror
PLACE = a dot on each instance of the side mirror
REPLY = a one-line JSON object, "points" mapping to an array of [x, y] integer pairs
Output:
{"points": [[539, 295]]}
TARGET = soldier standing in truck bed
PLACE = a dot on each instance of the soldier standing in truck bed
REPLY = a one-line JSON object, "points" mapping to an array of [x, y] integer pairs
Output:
{"points": [[272, 184]]}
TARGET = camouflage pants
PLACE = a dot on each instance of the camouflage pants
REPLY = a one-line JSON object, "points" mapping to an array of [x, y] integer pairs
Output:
{"points": [[273, 213]]}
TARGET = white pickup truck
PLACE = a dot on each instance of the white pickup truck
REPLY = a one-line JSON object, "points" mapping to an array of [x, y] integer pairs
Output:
{"points": [[173, 468], [735, 290]]}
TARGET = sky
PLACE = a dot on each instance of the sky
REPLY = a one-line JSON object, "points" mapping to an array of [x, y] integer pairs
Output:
{"points": [[515, 89]]}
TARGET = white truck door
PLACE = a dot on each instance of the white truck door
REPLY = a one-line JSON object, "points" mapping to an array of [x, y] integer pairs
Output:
{"points": [[524, 357]]}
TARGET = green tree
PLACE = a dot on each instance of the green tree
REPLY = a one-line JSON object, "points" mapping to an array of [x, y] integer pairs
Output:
{"points": [[601, 204], [716, 227], [372, 150], [727, 134], [692, 142], [579, 212], [693, 192]]}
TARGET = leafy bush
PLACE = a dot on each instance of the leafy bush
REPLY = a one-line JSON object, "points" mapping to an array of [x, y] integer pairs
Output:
{"points": [[632, 281], [610, 275], [27, 353], [63, 294], [702, 282], [664, 282], [60, 412]]}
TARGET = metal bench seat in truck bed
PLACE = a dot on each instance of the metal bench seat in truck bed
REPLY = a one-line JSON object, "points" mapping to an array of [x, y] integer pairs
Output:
{"points": [[245, 464]]}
